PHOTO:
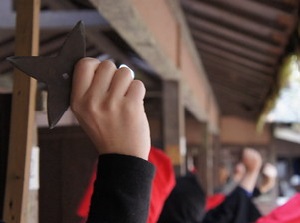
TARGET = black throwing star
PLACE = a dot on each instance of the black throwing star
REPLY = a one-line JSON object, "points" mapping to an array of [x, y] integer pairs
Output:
{"points": [[56, 72]]}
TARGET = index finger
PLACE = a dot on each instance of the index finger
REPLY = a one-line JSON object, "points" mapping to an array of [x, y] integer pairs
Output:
{"points": [[83, 76]]}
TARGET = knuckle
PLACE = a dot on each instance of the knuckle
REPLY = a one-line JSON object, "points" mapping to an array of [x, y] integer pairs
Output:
{"points": [[90, 107], [85, 62], [86, 107], [108, 106], [107, 64], [130, 107]]}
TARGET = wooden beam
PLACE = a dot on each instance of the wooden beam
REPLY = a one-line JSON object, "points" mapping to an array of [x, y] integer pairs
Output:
{"points": [[233, 47], [226, 101], [189, 100], [95, 36], [239, 23], [236, 76], [59, 19], [225, 95], [57, 5], [244, 86], [234, 93], [221, 64], [238, 109], [234, 58], [125, 19], [187, 39], [200, 26], [22, 117], [260, 91], [288, 2], [260, 11], [286, 5]]}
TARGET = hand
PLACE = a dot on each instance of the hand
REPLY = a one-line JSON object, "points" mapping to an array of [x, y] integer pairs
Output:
{"points": [[251, 159], [108, 104], [269, 170], [269, 175]]}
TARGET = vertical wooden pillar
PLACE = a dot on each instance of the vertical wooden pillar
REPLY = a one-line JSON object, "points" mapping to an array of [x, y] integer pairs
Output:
{"points": [[22, 116], [216, 159], [194, 138], [205, 161], [173, 125], [210, 163], [201, 139]]}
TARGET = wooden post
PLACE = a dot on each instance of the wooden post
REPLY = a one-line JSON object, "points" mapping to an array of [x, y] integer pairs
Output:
{"points": [[22, 117], [203, 145], [173, 125], [216, 159], [194, 137], [205, 161]]}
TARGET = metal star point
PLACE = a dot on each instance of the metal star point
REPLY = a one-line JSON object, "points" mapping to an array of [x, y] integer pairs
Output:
{"points": [[56, 72]]}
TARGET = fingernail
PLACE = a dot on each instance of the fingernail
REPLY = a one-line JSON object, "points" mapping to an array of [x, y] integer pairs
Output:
{"points": [[131, 71]]}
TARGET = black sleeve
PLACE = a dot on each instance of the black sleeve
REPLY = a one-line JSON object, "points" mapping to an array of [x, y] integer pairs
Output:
{"points": [[236, 208], [121, 190], [256, 192]]}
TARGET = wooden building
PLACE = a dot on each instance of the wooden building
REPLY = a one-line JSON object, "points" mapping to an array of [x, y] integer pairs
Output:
{"points": [[209, 68]]}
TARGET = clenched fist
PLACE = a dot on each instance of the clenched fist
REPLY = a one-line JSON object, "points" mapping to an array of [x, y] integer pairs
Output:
{"points": [[251, 159], [108, 104]]}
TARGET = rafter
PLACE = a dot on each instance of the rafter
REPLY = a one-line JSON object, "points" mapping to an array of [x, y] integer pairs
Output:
{"points": [[204, 48], [234, 21], [215, 62], [259, 11], [229, 77], [233, 47], [200, 26], [249, 88]]}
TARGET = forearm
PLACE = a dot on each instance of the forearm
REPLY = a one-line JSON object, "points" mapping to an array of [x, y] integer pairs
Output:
{"points": [[249, 181], [122, 190]]}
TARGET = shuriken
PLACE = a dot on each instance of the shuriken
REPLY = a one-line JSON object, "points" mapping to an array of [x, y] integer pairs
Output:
{"points": [[56, 72]]}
